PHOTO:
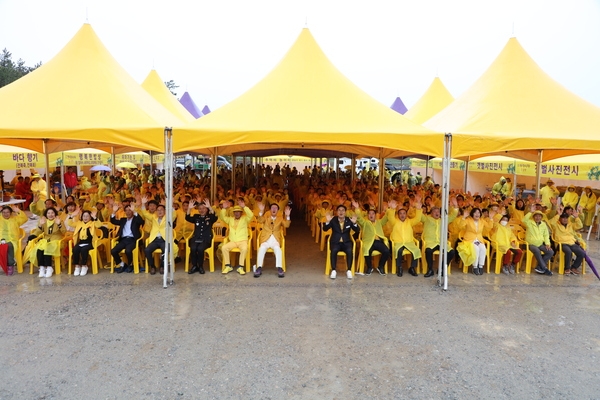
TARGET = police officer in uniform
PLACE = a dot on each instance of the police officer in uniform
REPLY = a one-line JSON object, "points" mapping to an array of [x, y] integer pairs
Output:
{"points": [[202, 237]]}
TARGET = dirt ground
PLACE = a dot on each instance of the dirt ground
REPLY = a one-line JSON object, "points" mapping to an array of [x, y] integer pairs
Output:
{"points": [[305, 336]]}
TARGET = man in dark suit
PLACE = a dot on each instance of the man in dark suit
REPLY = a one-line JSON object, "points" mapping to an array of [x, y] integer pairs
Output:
{"points": [[340, 239], [129, 233]]}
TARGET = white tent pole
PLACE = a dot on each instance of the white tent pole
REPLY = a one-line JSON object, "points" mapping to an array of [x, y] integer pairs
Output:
{"points": [[443, 262], [213, 176], [233, 168], [47, 163], [113, 163], [466, 177], [538, 173], [514, 187], [381, 178], [63, 191], [168, 259]]}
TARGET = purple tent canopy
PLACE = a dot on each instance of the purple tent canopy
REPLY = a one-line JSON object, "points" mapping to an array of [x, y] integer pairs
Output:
{"points": [[399, 106], [206, 110], [188, 103]]}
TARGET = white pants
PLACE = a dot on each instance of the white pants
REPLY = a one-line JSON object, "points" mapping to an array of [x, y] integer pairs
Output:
{"points": [[480, 253], [271, 243]]}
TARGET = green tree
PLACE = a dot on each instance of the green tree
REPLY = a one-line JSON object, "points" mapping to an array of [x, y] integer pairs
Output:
{"points": [[11, 70], [171, 85]]}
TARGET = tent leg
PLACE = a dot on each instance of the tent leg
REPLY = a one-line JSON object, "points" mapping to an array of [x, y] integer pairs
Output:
{"points": [[168, 256], [538, 173], [466, 177], [381, 181], [443, 258], [213, 176]]}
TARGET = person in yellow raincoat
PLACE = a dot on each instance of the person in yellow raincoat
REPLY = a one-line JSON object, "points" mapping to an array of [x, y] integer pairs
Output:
{"points": [[507, 245], [431, 235], [587, 202], [9, 232], [564, 232], [52, 230], [403, 235], [472, 249], [373, 238], [571, 198], [83, 236], [549, 192]]}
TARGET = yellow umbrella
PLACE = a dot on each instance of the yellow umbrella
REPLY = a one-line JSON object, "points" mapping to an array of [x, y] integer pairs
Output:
{"points": [[126, 164]]}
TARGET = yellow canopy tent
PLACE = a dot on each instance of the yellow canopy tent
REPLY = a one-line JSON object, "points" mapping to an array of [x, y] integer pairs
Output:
{"points": [[515, 108], [157, 89], [434, 100], [305, 101], [81, 95]]}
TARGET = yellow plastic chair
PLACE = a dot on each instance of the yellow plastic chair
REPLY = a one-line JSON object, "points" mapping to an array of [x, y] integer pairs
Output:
{"points": [[340, 254], [208, 253], [56, 259], [282, 245], [324, 238], [19, 251], [135, 254], [237, 250], [465, 268], [559, 256], [405, 252], [93, 254]]}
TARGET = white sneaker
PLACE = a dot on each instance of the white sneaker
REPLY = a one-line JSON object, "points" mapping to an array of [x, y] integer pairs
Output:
{"points": [[42, 272], [49, 272], [349, 274], [333, 274], [84, 270], [77, 271]]}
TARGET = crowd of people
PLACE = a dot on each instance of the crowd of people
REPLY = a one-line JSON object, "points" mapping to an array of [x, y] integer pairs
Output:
{"points": [[129, 207]]}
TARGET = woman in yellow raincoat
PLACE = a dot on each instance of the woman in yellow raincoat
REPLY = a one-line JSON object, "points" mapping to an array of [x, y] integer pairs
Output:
{"points": [[587, 202], [472, 249], [571, 197], [507, 245], [48, 246], [9, 232]]}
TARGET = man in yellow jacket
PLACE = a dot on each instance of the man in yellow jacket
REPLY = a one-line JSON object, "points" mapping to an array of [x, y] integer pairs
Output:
{"points": [[537, 236], [564, 232], [373, 238], [158, 233], [237, 234], [403, 235], [431, 236], [9, 232], [271, 236]]}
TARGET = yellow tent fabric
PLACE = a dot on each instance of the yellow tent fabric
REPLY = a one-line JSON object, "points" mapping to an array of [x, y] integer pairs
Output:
{"points": [[306, 100], [154, 85], [514, 107], [434, 100], [82, 94]]}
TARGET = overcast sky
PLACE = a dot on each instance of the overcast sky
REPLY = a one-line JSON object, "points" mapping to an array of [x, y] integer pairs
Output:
{"points": [[218, 49]]}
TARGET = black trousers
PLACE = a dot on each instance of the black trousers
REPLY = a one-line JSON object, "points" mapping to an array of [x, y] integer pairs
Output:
{"points": [[158, 243], [127, 244], [378, 245], [345, 247], [197, 251], [81, 252], [413, 263], [429, 256]]}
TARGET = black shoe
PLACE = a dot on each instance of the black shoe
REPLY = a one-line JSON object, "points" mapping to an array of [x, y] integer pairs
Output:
{"points": [[177, 259], [475, 271], [201, 270], [161, 270], [193, 270], [129, 269], [369, 271], [381, 270], [480, 271], [152, 270], [429, 273], [412, 271], [399, 272], [121, 269]]}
